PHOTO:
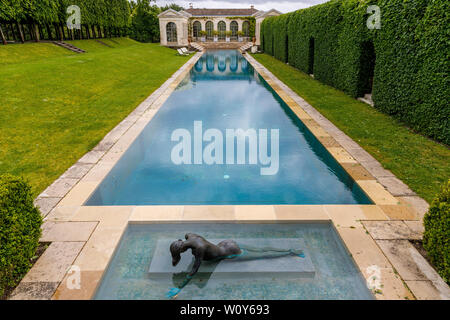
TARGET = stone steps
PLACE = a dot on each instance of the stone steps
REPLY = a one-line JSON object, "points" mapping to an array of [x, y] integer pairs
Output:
{"points": [[68, 46]]}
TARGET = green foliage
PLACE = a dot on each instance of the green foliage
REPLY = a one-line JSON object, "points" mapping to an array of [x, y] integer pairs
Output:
{"points": [[267, 42], [144, 22], [172, 6], [397, 62], [20, 230], [436, 238], [280, 38], [410, 53], [107, 13]]}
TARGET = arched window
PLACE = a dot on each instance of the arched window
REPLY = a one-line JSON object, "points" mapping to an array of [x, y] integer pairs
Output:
{"points": [[209, 30], [222, 29], [199, 65], [171, 30], [246, 28], [222, 64], [197, 27], [234, 29], [234, 63]]}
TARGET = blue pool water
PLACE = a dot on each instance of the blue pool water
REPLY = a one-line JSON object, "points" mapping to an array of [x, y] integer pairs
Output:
{"points": [[335, 274], [223, 91]]}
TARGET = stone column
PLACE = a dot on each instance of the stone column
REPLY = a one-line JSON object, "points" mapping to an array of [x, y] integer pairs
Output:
{"points": [[162, 32]]}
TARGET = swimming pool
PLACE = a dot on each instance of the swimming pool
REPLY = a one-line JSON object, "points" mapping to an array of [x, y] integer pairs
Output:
{"points": [[223, 92], [326, 272]]}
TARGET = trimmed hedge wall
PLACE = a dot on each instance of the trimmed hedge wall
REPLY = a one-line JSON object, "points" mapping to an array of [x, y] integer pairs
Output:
{"points": [[267, 30], [107, 13], [410, 55], [280, 37], [20, 229], [436, 238]]}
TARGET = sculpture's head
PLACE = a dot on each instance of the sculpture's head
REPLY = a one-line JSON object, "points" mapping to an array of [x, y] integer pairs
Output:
{"points": [[175, 250]]}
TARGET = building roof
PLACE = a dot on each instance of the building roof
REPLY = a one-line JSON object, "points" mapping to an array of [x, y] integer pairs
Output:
{"points": [[221, 12]]}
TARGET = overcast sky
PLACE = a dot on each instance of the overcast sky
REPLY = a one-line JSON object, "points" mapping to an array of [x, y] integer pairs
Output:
{"points": [[283, 6]]}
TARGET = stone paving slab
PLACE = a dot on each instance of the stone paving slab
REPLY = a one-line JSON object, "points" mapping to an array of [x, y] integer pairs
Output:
{"points": [[376, 169], [377, 193], [417, 203], [34, 291], [257, 213], [390, 230], [400, 212], [301, 213], [357, 171], [62, 213], [363, 248], [67, 231], [429, 290], [59, 188], [408, 262], [46, 205], [99, 249], [156, 213], [416, 227], [91, 157], [392, 287], [77, 171], [396, 187], [54, 262], [361, 155], [89, 281]]}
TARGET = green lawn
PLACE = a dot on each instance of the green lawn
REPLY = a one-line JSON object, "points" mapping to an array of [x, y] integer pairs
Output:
{"points": [[419, 162], [57, 105]]}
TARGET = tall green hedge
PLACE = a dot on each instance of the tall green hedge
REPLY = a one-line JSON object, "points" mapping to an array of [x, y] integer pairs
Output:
{"points": [[268, 35], [280, 38], [436, 238], [106, 13], [411, 53], [431, 113], [20, 229]]}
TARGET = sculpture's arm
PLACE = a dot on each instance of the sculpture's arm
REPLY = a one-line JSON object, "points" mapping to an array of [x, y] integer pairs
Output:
{"points": [[196, 266]]}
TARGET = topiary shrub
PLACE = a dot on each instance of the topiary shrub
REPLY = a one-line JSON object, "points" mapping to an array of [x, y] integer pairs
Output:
{"points": [[20, 230], [436, 238]]}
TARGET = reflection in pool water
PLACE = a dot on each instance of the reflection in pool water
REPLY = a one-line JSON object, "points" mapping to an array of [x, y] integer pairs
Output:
{"points": [[223, 91]]}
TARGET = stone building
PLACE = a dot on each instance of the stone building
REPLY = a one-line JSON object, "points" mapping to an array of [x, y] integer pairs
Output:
{"points": [[210, 25]]}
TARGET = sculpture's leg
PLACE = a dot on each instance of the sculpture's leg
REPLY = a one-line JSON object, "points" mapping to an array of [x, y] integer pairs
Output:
{"points": [[268, 252]]}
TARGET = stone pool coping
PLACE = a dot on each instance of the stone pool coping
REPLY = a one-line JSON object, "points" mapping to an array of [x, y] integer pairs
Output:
{"points": [[86, 237]]}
